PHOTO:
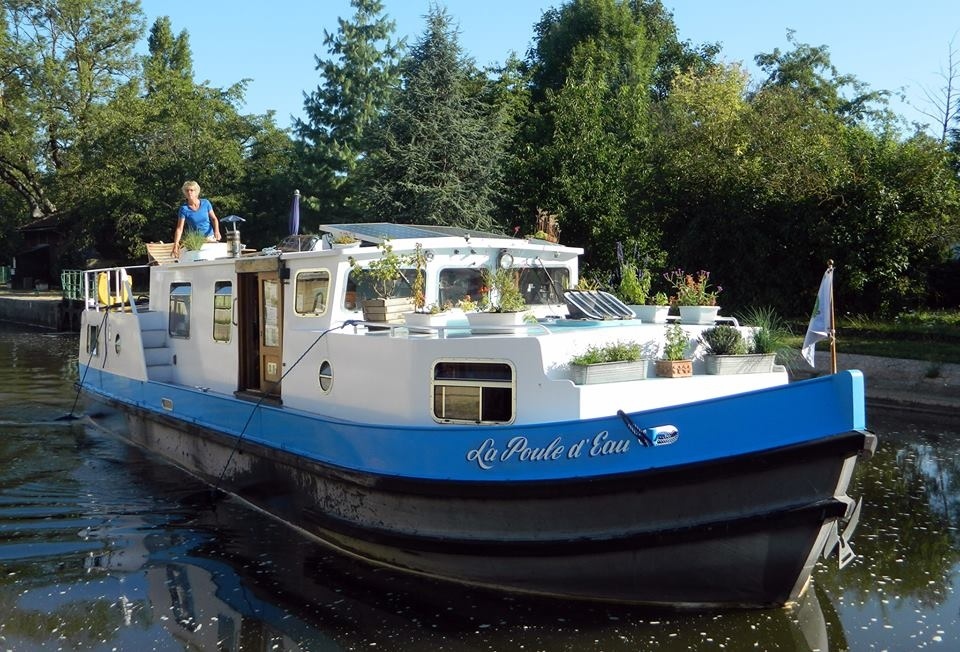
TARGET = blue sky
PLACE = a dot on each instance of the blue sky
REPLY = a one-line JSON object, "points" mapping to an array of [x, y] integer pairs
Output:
{"points": [[893, 45]]}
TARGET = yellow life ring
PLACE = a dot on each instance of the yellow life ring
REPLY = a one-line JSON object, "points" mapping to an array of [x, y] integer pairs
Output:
{"points": [[106, 283]]}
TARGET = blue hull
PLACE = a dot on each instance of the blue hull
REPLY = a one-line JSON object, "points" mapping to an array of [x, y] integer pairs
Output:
{"points": [[725, 502]]}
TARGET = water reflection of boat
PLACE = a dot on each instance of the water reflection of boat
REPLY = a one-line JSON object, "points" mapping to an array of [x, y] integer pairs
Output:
{"points": [[468, 454]]}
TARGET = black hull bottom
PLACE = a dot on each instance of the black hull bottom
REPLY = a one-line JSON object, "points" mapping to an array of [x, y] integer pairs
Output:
{"points": [[741, 533]]}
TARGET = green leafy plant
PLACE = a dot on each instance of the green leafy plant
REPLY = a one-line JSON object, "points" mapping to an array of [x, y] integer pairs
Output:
{"points": [[419, 260], [659, 299], [467, 304], [613, 352], [192, 240], [384, 273], [503, 291], [724, 340], [771, 332], [344, 238], [675, 343], [692, 290], [634, 285]]}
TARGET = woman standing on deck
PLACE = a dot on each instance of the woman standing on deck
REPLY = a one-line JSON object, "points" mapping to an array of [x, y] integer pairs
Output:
{"points": [[197, 214]]}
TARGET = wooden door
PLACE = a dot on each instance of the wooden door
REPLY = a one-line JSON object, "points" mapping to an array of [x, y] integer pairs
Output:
{"points": [[270, 296]]}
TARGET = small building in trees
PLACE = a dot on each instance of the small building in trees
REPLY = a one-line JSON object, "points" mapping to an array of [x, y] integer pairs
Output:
{"points": [[37, 262]]}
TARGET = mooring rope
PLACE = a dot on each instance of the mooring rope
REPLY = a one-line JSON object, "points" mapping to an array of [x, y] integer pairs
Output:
{"points": [[70, 416], [236, 446]]}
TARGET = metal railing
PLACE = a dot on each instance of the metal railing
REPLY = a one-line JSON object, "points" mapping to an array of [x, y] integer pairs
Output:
{"points": [[71, 282]]}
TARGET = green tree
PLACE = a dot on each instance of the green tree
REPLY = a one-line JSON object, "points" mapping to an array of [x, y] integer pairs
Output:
{"points": [[156, 135], [436, 154], [582, 145], [61, 59], [357, 82]]}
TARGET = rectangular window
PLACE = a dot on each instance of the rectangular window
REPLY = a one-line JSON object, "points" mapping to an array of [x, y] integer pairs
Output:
{"points": [[473, 392], [360, 289], [541, 286], [179, 325], [457, 283], [93, 339], [222, 310], [312, 291]]}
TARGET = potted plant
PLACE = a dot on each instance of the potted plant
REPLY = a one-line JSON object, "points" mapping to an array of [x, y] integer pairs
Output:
{"points": [[383, 275], [191, 242], [694, 297], [769, 335], [502, 307], [423, 316], [656, 309], [609, 363], [727, 351], [673, 363], [344, 241]]}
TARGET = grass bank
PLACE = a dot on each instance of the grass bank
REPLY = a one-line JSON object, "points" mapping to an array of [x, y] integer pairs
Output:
{"points": [[933, 336]]}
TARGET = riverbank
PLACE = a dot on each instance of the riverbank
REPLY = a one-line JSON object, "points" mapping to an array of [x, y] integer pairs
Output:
{"points": [[46, 309], [912, 385]]}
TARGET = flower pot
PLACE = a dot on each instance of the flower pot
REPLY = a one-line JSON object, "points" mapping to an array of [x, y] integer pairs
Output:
{"points": [[495, 322], [674, 368], [698, 314], [608, 372], [387, 310], [425, 319], [651, 314], [207, 251], [751, 363]]}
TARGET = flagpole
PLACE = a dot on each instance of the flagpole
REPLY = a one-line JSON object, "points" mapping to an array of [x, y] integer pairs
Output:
{"points": [[833, 327]]}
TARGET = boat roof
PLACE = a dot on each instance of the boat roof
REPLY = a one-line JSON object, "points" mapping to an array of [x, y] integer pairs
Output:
{"points": [[380, 232]]}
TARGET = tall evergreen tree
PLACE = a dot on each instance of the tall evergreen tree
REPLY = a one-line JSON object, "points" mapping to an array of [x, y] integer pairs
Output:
{"points": [[437, 151], [357, 81]]}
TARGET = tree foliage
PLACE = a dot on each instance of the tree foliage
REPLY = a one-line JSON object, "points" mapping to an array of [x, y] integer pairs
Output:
{"points": [[357, 83], [436, 153], [61, 59]]}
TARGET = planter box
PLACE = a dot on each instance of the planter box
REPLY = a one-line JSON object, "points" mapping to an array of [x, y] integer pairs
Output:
{"points": [[752, 363], [345, 245], [608, 372], [651, 314], [698, 314], [425, 319], [207, 251], [496, 322], [387, 310], [674, 368]]}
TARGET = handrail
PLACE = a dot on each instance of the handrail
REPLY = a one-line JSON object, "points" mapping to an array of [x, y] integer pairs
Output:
{"points": [[122, 287], [441, 331]]}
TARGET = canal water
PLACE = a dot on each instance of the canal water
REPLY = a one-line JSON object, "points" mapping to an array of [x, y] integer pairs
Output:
{"points": [[104, 547]]}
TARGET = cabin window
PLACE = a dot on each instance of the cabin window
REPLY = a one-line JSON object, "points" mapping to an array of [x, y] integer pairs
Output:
{"points": [[455, 284], [473, 392], [357, 292], [543, 285], [93, 339], [179, 325], [222, 310], [312, 292]]}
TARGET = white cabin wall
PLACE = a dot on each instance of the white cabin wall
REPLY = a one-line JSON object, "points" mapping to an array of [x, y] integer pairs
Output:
{"points": [[199, 360]]}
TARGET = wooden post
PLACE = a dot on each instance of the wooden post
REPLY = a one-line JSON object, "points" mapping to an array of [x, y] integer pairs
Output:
{"points": [[833, 325]]}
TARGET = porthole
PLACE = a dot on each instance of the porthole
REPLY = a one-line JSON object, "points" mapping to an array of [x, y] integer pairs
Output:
{"points": [[325, 376], [116, 343]]}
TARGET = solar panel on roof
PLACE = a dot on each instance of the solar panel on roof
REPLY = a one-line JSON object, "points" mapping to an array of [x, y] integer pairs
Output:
{"points": [[380, 231]]}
